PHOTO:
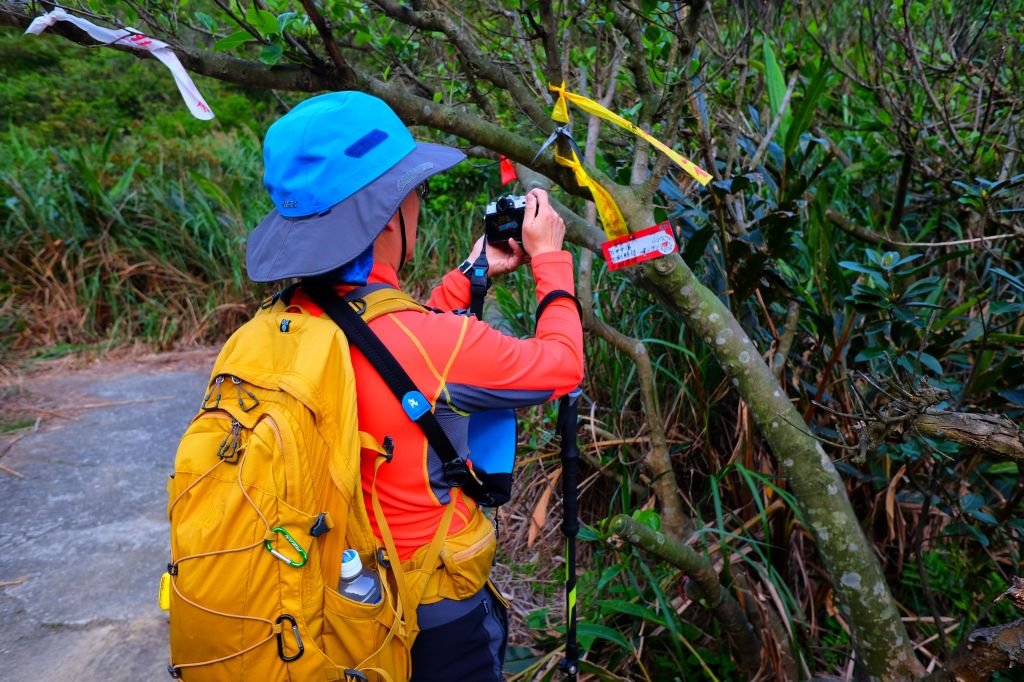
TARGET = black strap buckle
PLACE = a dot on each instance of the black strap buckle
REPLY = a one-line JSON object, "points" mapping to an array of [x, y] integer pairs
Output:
{"points": [[280, 639], [456, 473], [351, 674], [174, 672], [382, 558], [320, 526], [479, 283], [389, 448]]}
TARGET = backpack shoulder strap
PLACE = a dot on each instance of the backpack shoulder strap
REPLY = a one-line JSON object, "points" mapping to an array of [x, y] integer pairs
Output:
{"points": [[384, 300], [415, 404]]}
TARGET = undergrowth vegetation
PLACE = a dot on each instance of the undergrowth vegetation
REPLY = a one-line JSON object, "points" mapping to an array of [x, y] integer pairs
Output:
{"points": [[855, 247]]}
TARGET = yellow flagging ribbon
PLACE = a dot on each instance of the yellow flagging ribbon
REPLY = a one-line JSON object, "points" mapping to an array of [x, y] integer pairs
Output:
{"points": [[611, 217], [561, 114]]}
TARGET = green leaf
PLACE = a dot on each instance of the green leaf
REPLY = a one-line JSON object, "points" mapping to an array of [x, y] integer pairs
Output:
{"points": [[1015, 282], [588, 632], [697, 244], [631, 609], [262, 20], [648, 517], [776, 88], [207, 21], [285, 20], [931, 363], [588, 534], [1003, 469], [271, 54], [122, 184], [984, 517], [857, 267], [1006, 338], [804, 114], [972, 502], [232, 41]]}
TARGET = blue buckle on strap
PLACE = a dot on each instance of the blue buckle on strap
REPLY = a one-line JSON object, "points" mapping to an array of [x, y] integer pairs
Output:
{"points": [[415, 405]]}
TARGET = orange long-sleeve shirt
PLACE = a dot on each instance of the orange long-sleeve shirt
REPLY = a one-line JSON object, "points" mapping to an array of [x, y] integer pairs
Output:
{"points": [[462, 365]]}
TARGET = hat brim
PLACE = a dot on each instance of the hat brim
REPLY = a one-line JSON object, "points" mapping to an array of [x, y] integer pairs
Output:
{"points": [[282, 247]]}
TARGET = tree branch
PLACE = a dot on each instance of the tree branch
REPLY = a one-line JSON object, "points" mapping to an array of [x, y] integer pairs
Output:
{"points": [[786, 340], [878, 634], [659, 460], [745, 644], [984, 652], [488, 69], [549, 33], [993, 434], [344, 71], [855, 230]]}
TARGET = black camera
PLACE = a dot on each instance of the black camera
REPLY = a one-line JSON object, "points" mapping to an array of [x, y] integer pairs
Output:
{"points": [[503, 219]]}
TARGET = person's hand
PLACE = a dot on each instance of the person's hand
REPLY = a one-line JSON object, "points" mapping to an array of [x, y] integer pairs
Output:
{"points": [[500, 259], [543, 228]]}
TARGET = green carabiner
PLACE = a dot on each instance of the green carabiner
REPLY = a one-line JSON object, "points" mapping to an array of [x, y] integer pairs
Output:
{"points": [[293, 543]]}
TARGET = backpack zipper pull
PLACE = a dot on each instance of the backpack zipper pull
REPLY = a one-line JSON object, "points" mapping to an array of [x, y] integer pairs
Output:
{"points": [[231, 445], [239, 388], [206, 399]]}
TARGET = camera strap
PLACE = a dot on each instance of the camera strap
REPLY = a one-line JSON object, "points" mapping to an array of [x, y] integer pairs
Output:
{"points": [[478, 284], [456, 472]]}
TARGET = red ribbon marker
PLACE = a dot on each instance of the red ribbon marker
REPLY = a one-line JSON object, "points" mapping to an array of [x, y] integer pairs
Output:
{"points": [[508, 171]]}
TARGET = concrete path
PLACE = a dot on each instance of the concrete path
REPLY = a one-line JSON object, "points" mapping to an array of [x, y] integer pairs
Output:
{"points": [[86, 526]]}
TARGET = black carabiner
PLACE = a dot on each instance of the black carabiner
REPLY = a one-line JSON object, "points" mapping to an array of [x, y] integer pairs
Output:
{"points": [[280, 639]]}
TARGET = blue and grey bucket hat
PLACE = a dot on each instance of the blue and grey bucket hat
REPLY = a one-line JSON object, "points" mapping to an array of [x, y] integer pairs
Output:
{"points": [[337, 167]]}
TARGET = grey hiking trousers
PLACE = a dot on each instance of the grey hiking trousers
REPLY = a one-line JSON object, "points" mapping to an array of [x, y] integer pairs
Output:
{"points": [[461, 641]]}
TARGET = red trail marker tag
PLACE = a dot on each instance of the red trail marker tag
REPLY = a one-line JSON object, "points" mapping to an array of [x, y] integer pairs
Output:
{"points": [[653, 242], [508, 171]]}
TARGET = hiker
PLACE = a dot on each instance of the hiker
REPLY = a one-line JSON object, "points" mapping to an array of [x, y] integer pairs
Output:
{"points": [[348, 181]]}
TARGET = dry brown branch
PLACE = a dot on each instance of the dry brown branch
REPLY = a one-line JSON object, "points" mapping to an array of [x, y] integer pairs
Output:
{"points": [[984, 652], [990, 433]]}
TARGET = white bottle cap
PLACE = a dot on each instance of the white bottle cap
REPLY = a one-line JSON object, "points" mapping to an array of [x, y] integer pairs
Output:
{"points": [[351, 564]]}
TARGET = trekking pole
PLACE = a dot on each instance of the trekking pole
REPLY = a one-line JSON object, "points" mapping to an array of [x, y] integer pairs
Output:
{"points": [[567, 419]]}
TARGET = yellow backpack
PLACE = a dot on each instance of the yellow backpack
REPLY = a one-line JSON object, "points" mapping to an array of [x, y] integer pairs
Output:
{"points": [[266, 496]]}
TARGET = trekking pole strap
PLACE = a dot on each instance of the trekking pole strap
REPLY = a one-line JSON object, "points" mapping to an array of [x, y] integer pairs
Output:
{"points": [[457, 472]]}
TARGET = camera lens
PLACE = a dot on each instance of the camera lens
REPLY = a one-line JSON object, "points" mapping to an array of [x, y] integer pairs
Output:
{"points": [[504, 204]]}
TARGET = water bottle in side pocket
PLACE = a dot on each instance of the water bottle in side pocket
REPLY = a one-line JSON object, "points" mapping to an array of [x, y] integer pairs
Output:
{"points": [[356, 583]]}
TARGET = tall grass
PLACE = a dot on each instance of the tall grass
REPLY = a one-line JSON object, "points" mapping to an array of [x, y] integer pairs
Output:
{"points": [[126, 241], [138, 239]]}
